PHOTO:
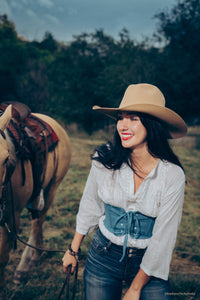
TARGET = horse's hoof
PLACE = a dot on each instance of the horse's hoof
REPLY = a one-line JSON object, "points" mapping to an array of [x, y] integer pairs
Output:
{"points": [[17, 277]]}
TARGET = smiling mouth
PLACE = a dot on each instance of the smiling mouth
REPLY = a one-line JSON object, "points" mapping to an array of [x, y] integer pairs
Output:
{"points": [[126, 136]]}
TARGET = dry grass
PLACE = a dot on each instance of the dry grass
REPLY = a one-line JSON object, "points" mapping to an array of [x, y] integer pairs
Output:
{"points": [[45, 280]]}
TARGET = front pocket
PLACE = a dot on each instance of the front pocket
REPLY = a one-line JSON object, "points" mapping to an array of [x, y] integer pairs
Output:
{"points": [[99, 245]]}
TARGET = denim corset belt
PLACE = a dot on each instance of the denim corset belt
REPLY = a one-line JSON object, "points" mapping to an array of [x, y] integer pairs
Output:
{"points": [[135, 224]]}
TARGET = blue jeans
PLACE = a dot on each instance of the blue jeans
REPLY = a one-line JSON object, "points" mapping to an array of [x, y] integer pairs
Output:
{"points": [[104, 274]]}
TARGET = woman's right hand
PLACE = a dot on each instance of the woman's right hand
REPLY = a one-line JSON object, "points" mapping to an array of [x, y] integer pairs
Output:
{"points": [[132, 295], [69, 260]]}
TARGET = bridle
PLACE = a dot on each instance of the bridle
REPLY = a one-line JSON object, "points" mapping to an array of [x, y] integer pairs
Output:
{"points": [[13, 232], [3, 134], [3, 186]]}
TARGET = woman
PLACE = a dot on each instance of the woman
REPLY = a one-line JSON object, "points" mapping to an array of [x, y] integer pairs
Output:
{"points": [[134, 193]]}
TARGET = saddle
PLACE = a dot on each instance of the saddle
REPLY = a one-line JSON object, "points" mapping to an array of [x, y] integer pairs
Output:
{"points": [[32, 137], [28, 132]]}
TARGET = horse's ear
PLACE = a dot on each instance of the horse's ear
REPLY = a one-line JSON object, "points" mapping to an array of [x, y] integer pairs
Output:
{"points": [[5, 118]]}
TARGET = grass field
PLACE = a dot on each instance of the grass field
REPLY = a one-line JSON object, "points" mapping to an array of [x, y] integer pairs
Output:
{"points": [[45, 280]]}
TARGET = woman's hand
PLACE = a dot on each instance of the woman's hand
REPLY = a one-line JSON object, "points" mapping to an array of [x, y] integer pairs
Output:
{"points": [[132, 295], [69, 260], [134, 291]]}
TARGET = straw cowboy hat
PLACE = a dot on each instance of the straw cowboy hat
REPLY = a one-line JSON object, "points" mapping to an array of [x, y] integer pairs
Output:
{"points": [[147, 98]]}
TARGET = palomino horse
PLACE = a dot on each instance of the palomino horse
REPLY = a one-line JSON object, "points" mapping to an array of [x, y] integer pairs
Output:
{"points": [[57, 165]]}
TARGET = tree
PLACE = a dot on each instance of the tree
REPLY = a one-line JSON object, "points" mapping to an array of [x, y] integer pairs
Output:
{"points": [[48, 43], [74, 74], [24, 68], [7, 29], [180, 30], [11, 58], [96, 69]]}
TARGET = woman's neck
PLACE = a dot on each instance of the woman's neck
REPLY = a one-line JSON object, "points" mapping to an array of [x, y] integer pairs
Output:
{"points": [[142, 161]]}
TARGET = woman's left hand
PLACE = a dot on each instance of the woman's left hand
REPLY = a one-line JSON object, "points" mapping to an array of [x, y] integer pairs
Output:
{"points": [[132, 295]]}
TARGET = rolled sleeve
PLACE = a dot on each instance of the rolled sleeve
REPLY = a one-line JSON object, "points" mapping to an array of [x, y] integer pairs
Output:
{"points": [[157, 258], [91, 208]]}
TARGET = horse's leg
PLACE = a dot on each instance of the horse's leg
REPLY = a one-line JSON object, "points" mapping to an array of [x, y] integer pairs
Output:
{"points": [[4, 257], [25, 263], [37, 230], [5, 247], [4, 254], [30, 256]]}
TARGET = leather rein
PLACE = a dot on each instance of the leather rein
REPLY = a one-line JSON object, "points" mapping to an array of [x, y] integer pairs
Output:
{"points": [[14, 236]]}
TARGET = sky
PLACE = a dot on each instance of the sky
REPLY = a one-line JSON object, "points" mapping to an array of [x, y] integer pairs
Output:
{"points": [[67, 18]]}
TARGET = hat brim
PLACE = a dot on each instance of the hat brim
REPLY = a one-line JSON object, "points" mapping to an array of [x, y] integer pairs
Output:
{"points": [[176, 125]]}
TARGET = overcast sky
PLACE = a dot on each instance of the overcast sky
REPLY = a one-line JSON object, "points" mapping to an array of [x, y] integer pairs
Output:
{"points": [[65, 18]]}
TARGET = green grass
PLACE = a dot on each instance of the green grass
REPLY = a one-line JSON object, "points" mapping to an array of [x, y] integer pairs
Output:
{"points": [[46, 279]]}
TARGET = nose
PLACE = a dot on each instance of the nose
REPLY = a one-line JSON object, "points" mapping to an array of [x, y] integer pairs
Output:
{"points": [[123, 124]]}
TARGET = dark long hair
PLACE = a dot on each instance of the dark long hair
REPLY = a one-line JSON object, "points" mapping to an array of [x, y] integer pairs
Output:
{"points": [[112, 155]]}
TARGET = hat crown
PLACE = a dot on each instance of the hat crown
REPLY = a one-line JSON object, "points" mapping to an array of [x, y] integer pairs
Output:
{"points": [[142, 93]]}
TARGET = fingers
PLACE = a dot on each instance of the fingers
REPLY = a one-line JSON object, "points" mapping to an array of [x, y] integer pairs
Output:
{"points": [[73, 268], [69, 263], [69, 269]]}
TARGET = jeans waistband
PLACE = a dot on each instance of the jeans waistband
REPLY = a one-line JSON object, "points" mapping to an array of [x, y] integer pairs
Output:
{"points": [[130, 251]]}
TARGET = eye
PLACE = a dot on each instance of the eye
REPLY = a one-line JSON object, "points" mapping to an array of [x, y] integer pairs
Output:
{"points": [[134, 118]]}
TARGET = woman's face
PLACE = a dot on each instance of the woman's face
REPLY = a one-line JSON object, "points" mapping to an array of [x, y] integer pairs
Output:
{"points": [[131, 131]]}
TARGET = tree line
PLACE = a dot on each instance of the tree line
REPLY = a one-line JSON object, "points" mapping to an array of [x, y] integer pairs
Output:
{"points": [[66, 79]]}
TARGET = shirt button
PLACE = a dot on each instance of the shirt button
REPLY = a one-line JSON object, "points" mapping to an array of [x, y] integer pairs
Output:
{"points": [[122, 224], [135, 228], [121, 230]]}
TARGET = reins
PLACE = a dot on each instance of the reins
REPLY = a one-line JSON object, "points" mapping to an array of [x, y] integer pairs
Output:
{"points": [[66, 283], [67, 279], [16, 238]]}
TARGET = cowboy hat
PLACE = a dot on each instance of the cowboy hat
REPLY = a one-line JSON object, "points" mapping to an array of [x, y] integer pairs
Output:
{"points": [[148, 99]]}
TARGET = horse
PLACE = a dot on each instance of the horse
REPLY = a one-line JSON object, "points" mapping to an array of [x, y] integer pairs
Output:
{"points": [[18, 193]]}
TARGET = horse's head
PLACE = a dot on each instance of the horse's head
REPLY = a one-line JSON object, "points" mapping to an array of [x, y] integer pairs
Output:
{"points": [[4, 152]]}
